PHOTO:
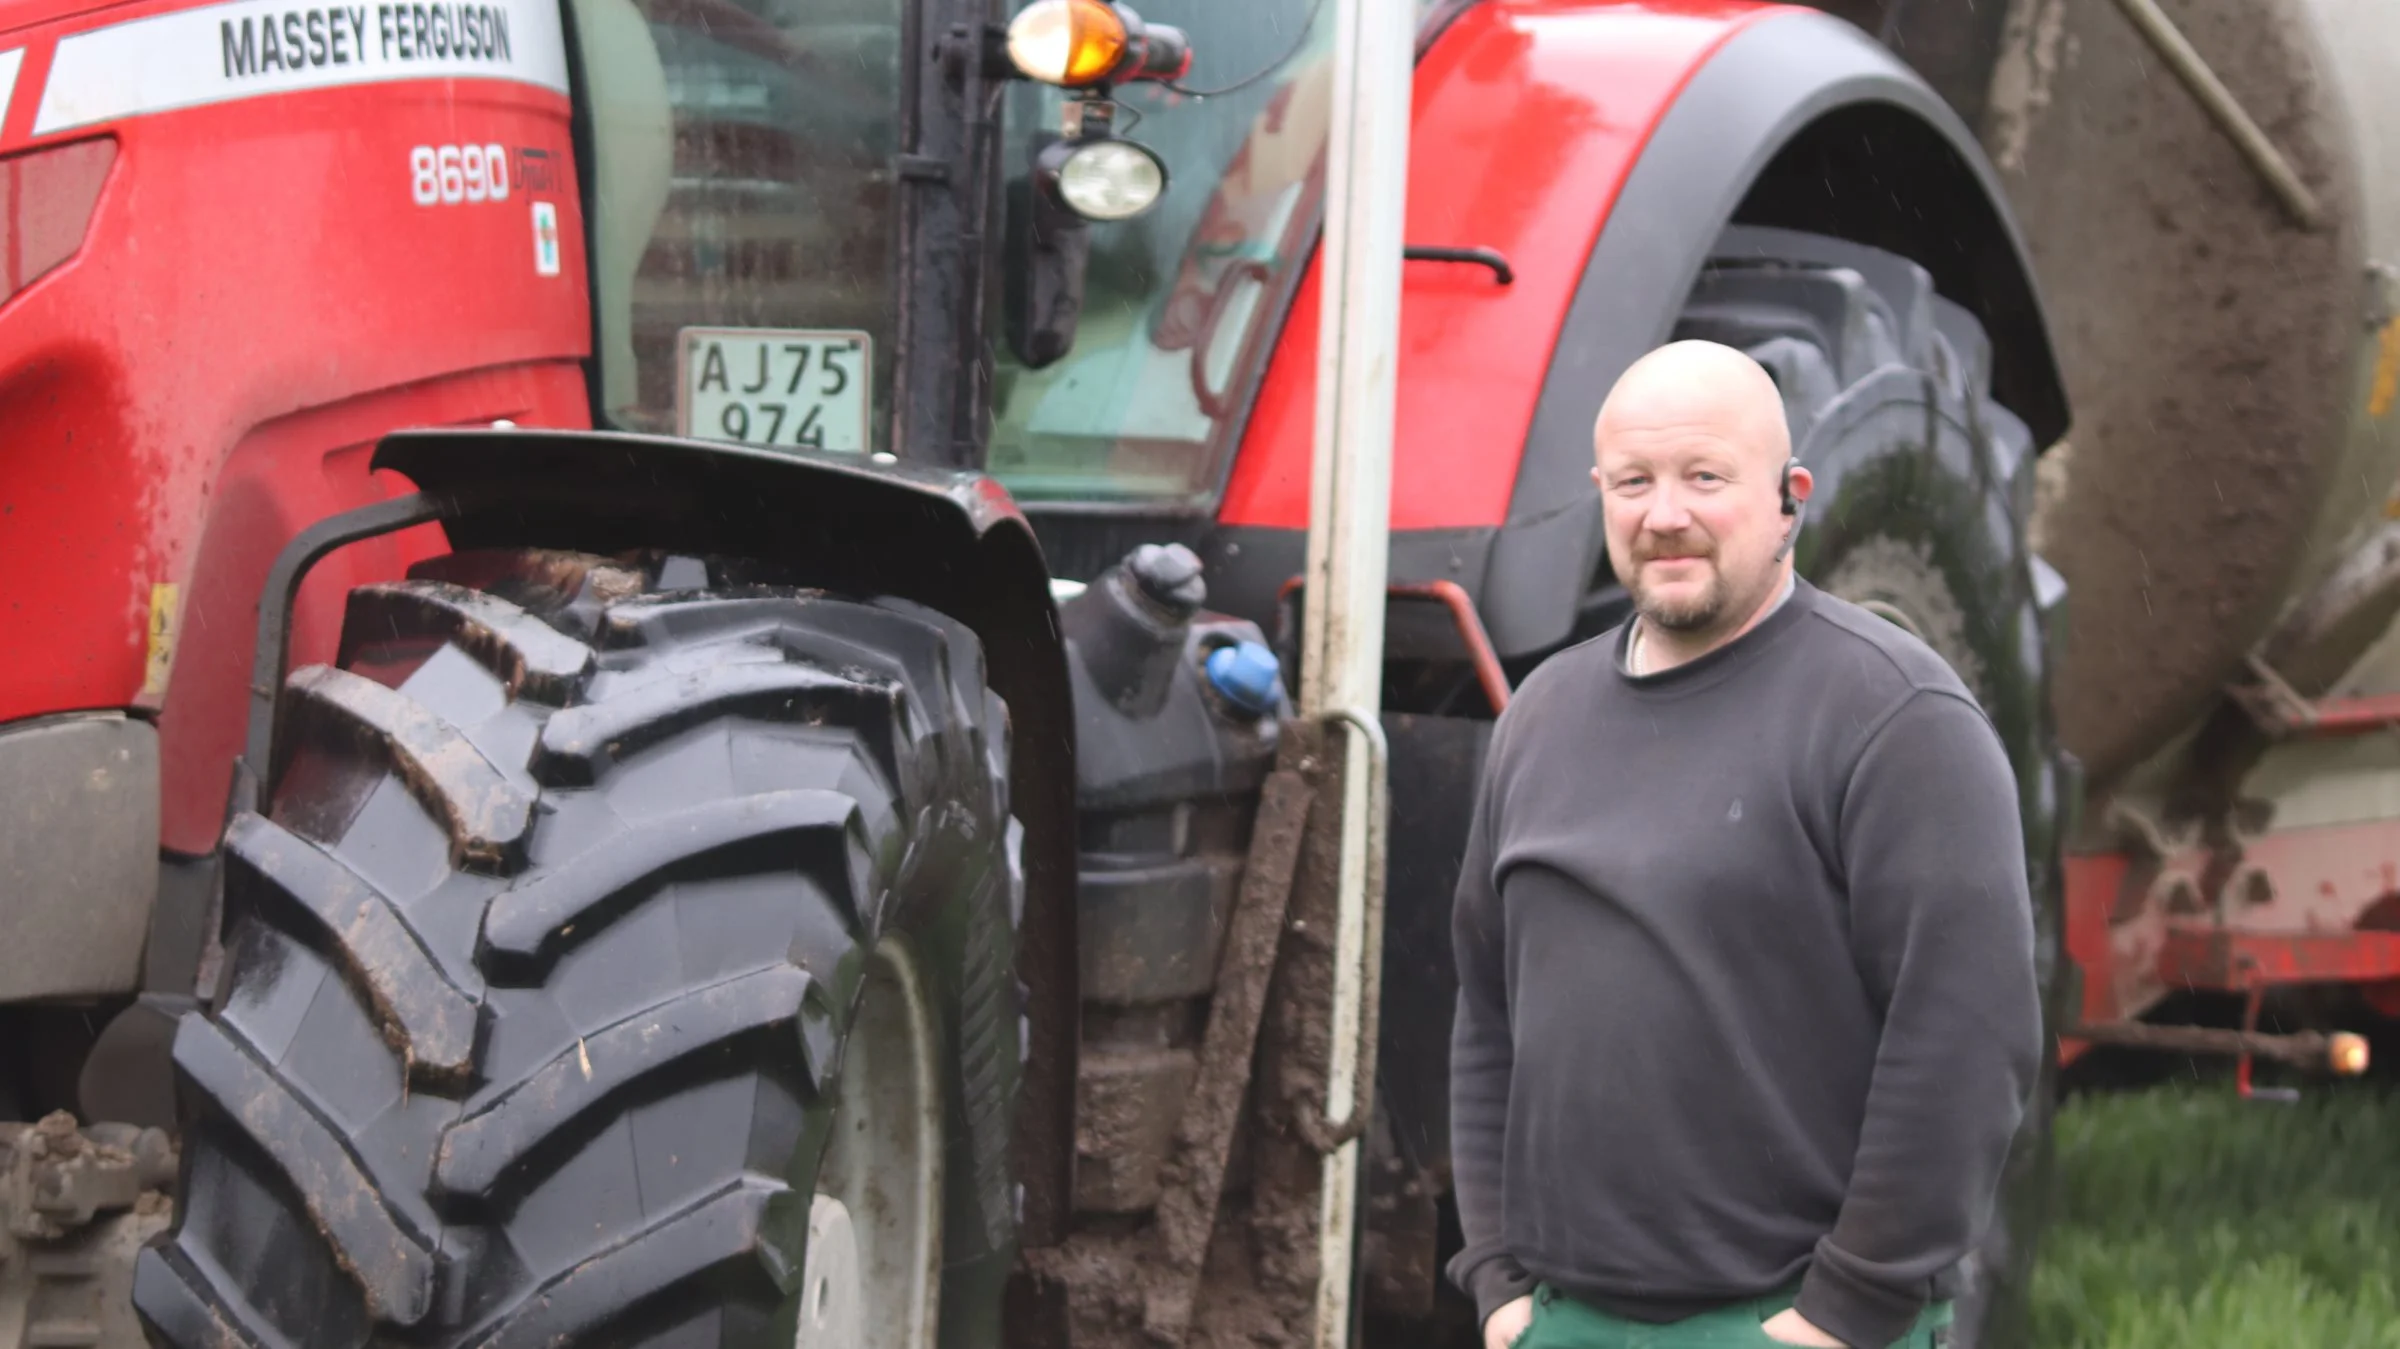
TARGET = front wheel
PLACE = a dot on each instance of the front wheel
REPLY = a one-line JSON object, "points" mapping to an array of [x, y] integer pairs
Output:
{"points": [[614, 965]]}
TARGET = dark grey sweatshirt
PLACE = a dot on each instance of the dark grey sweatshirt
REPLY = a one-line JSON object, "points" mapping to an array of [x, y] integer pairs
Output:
{"points": [[1747, 989]]}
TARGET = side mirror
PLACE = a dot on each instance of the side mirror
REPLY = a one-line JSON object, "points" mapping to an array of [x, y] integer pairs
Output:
{"points": [[1048, 249], [1087, 174]]}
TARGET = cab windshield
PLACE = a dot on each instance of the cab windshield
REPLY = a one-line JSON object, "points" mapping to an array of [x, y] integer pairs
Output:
{"points": [[1181, 305]]}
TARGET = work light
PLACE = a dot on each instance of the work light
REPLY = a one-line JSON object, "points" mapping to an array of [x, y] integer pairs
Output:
{"points": [[1106, 179]]}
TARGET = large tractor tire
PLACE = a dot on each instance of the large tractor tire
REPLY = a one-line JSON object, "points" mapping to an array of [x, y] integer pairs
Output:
{"points": [[618, 963], [1923, 501]]}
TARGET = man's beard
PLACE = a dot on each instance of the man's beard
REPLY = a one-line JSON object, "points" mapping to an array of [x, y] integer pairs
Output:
{"points": [[1700, 613]]}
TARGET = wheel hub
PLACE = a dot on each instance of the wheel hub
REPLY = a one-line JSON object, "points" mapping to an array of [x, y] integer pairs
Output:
{"points": [[879, 1186]]}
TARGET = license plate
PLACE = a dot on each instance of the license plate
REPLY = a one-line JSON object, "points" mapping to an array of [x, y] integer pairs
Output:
{"points": [[784, 387]]}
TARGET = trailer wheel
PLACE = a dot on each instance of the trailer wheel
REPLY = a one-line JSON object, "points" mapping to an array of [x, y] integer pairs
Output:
{"points": [[617, 963], [1924, 495]]}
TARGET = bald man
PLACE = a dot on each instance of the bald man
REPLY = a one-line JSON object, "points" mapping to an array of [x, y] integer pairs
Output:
{"points": [[1747, 1010]]}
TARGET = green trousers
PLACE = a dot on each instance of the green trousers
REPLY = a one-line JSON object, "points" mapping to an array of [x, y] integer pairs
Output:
{"points": [[1560, 1322]]}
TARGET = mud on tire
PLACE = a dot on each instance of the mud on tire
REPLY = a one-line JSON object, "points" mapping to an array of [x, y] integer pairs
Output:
{"points": [[1924, 495], [545, 960]]}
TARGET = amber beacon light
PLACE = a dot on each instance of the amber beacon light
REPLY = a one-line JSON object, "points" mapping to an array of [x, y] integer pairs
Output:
{"points": [[1080, 44]]}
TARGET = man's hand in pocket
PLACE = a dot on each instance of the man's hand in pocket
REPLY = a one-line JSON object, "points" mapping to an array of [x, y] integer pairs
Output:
{"points": [[1790, 1327], [1508, 1324]]}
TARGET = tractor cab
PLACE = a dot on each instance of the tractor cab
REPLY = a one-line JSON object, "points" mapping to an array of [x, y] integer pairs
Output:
{"points": [[771, 266]]}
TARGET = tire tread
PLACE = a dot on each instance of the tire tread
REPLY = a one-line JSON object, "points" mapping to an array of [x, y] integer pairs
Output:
{"points": [[428, 1020], [485, 811], [524, 1116], [392, 1266]]}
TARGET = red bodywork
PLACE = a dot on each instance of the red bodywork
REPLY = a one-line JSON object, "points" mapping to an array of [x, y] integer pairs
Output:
{"points": [[1527, 117], [257, 298]]}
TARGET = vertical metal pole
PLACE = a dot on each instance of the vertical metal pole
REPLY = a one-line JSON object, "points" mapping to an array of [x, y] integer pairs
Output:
{"points": [[1349, 532]]}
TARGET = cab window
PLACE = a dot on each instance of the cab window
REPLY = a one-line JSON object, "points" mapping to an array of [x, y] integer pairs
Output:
{"points": [[1180, 305], [743, 179]]}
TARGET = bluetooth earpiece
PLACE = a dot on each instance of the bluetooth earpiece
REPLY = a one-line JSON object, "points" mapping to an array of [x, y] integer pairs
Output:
{"points": [[1791, 507]]}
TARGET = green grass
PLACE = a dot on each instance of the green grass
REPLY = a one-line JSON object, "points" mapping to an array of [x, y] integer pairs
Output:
{"points": [[2186, 1218]]}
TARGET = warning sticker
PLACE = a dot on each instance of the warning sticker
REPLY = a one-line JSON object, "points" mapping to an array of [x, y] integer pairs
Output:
{"points": [[545, 238], [247, 48]]}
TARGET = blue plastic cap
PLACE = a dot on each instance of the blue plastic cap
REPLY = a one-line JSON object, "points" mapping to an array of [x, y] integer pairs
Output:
{"points": [[1249, 676]]}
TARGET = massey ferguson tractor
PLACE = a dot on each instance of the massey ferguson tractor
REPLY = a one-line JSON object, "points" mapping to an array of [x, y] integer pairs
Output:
{"points": [[658, 661]]}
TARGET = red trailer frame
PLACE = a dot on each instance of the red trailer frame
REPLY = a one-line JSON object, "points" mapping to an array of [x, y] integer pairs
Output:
{"points": [[2240, 915]]}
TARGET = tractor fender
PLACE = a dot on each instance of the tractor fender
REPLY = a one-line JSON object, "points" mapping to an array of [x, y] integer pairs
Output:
{"points": [[1798, 120], [952, 540], [1601, 149]]}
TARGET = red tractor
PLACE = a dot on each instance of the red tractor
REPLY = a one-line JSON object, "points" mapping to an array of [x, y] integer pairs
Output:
{"points": [[649, 637]]}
